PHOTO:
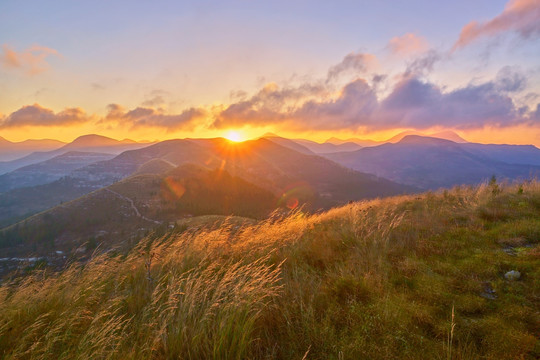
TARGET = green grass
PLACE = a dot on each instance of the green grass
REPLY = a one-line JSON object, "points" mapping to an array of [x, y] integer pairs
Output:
{"points": [[397, 278]]}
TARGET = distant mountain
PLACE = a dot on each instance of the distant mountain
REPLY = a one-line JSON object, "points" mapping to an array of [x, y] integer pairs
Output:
{"points": [[49, 170], [86, 143], [10, 150], [398, 137], [94, 141], [293, 177], [432, 163], [288, 143], [449, 135], [361, 142], [446, 135], [512, 154], [327, 147], [261, 162]]}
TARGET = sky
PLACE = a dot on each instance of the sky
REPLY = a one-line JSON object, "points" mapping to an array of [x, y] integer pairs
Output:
{"points": [[313, 69]]}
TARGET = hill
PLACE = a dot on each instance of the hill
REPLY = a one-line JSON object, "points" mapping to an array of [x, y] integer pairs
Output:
{"points": [[10, 150], [327, 147], [452, 274], [445, 135], [432, 163], [115, 215], [86, 143], [312, 179], [49, 170], [18, 204]]}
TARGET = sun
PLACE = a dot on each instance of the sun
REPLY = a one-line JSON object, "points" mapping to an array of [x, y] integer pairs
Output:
{"points": [[234, 135]]}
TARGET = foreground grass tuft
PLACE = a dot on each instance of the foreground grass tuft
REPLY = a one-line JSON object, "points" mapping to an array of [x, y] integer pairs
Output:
{"points": [[412, 277]]}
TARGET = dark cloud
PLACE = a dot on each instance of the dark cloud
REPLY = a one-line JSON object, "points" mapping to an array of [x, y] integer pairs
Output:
{"points": [[417, 104], [36, 115], [141, 117], [411, 103]]}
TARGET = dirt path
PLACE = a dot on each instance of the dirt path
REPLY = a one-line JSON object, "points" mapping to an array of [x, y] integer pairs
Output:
{"points": [[133, 206]]}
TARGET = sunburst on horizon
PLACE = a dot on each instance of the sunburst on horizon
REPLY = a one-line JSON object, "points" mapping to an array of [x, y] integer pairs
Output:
{"points": [[235, 136]]}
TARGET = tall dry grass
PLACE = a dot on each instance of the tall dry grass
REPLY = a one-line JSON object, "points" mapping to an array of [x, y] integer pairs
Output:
{"points": [[372, 279]]}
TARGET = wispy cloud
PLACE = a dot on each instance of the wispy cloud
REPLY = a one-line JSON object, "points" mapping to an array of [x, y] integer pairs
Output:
{"points": [[36, 115], [32, 60], [520, 16], [423, 64], [355, 63], [408, 44]]}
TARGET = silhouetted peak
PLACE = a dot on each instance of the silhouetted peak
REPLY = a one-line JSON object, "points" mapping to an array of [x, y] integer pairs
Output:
{"points": [[423, 140], [93, 140], [449, 135], [270, 134], [401, 135]]}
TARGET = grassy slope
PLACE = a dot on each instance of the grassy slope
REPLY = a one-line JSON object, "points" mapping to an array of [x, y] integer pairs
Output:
{"points": [[374, 280]]}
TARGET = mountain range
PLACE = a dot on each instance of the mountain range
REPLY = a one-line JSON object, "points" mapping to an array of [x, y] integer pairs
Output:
{"points": [[86, 143], [10, 150], [109, 191], [431, 163]]}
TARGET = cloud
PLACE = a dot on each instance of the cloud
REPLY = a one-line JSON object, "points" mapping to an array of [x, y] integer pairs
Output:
{"points": [[410, 103], [408, 44], [353, 62], [535, 115], [150, 117], [268, 105], [421, 105], [354, 105], [520, 16], [36, 115], [155, 98], [510, 79], [32, 60], [97, 86], [154, 101], [423, 64]]}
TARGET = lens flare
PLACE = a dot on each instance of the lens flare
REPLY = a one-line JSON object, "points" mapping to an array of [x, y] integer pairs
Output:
{"points": [[175, 188], [295, 194], [292, 203]]}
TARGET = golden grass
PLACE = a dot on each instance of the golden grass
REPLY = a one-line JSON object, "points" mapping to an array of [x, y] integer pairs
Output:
{"points": [[373, 279]]}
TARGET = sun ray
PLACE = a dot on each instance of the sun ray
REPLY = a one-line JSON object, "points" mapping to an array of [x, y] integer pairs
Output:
{"points": [[235, 135]]}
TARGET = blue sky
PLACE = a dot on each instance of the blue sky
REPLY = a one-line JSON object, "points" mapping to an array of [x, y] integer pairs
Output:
{"points": [[172, 57]]}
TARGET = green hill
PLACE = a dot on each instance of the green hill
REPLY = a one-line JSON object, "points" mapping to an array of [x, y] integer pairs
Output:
{"points": [[430, 276], [117, 216]]}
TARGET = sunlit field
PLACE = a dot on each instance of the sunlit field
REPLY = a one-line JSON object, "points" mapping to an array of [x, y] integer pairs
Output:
{"points": [[411, 277]]}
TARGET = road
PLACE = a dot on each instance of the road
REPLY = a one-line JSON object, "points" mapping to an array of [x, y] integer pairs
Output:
{"points": [[133, 206]]}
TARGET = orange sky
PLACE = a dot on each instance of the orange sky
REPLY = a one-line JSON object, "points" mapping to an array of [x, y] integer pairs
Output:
{"points": [[187, 69], [513, 135]]}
